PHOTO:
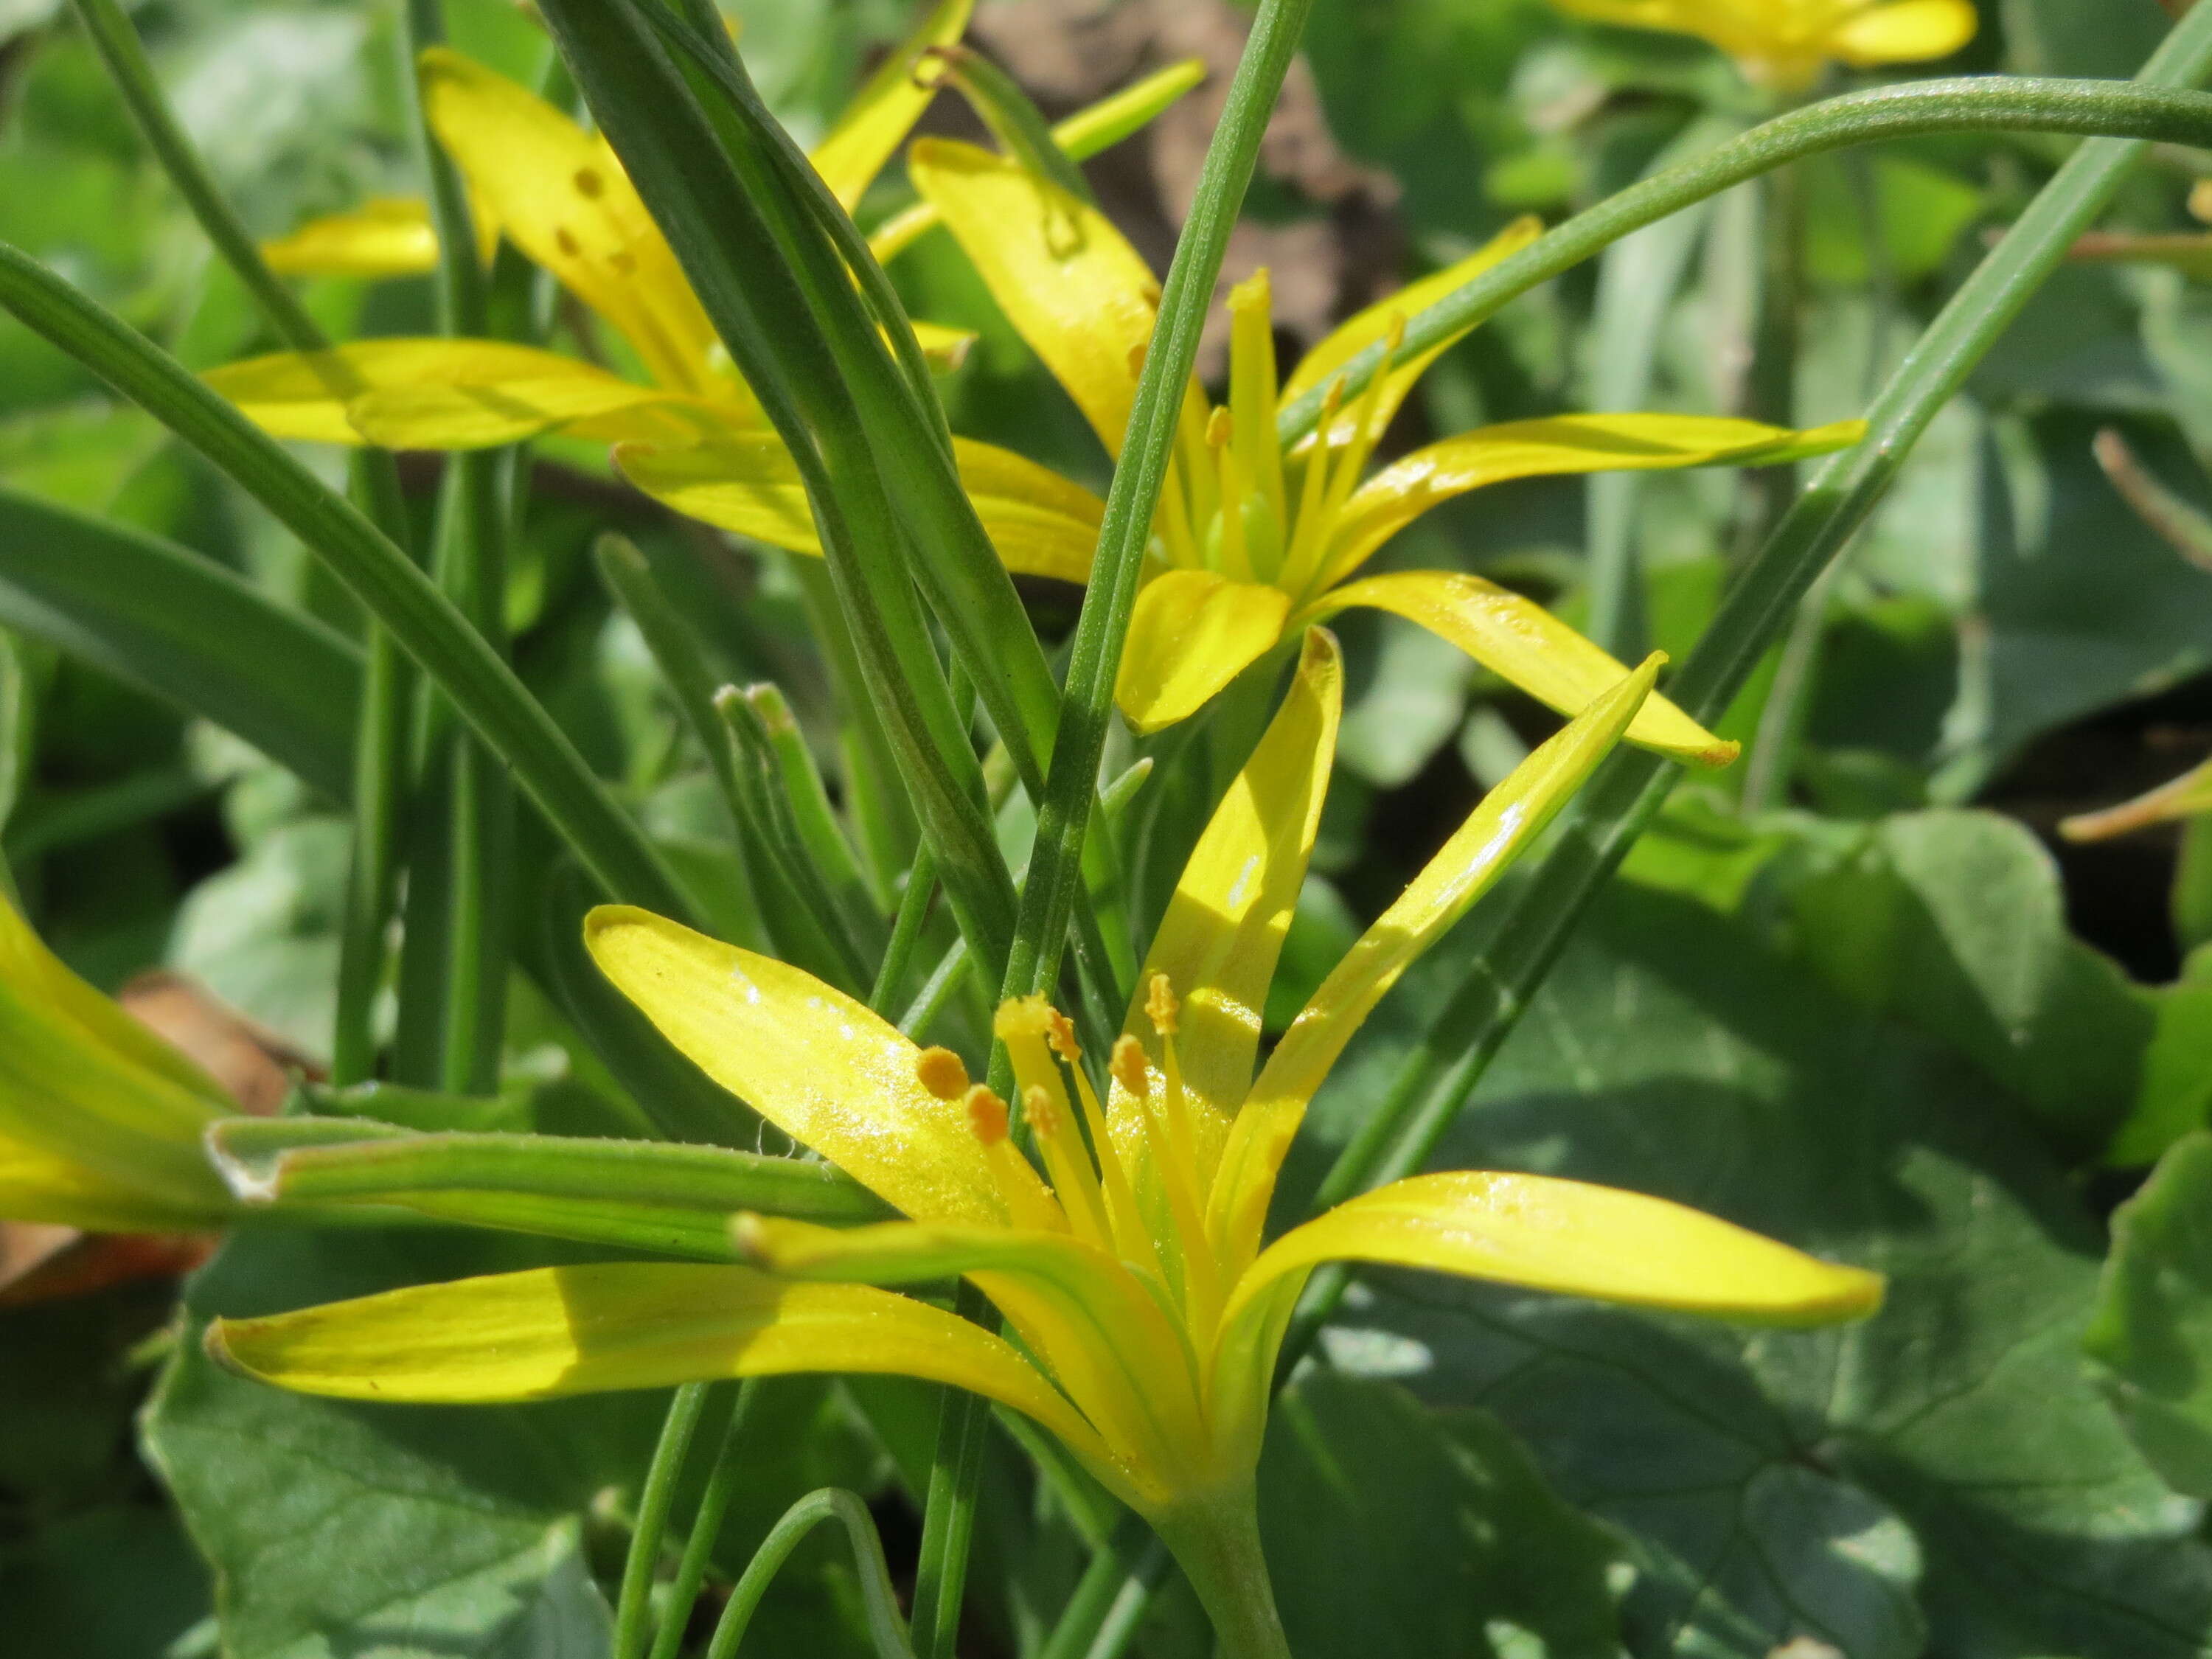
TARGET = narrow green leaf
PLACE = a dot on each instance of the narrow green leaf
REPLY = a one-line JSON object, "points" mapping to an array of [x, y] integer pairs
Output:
{"points": [[168, 619], [516, 727], [597, 1190]]}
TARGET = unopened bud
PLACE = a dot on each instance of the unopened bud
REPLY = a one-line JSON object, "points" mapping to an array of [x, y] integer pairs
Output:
{"points": [[942, 1073]]}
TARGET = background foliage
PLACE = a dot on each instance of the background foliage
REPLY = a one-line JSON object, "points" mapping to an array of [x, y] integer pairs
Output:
{"points": [[1885, 1014]]}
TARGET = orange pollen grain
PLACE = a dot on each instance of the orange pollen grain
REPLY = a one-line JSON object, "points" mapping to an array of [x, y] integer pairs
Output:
{"points": [[987, 1115], [1129, 1068], [1061, 1031], [1043, 1116], [942, 1073], [1161, 1004]]}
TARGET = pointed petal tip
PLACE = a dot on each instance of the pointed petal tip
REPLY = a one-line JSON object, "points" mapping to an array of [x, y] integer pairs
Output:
{"points": [[1722, 753]]}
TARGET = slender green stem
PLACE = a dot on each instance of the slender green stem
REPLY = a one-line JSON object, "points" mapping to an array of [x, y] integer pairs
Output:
{"points": [[1985, 104], [1064, 813], [948, 1514], [878, 1601], [1771, 388], [906, 931], [1441, 1073], [379, 763], [1638, 283], [1217, 1546], [1056, 859], [516, 727], [706, 1526], [124, 56], [1110, 1603], [634, 1608]]}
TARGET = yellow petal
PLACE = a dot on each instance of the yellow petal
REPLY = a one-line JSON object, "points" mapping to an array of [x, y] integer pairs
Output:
{"points": [[1102, 1337], [39, 976], [2187, 796], [558, 1331], [876, 123], [386, 236], [80, 1117], [1193, 632], [1521, 641], [1041, 524], [560, 195], [446, 394], [1906, 32], [36, 1185], [820, 1066], [1510, 818], [1539, 1234], [1218, 941], [1374, 323], [1068, 282], [1401, 492]]}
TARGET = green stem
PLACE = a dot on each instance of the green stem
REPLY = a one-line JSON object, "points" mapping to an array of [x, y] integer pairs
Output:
{"points": [[1983, 103], [483, 688], [379, 759], [1441, 1073], [1064, 813], [706, 1526], [1102, 1617], [948, 1514], [906, 931], [1771, 388], [634, 1607], [878, 1601], [1217, 1547]]}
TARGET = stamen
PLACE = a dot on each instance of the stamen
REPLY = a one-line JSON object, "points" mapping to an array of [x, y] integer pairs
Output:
{"points": [[1236, 561], [1029, 1203], [1253, 389], [1161, 1007], [1367, 421], [1068, 1166], [1131, 1237], [1167, 1128], [1130, 1068], [942, 1073], [1061, 1034]]}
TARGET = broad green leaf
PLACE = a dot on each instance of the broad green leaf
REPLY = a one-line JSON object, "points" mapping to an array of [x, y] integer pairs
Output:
{"points": [[407, 1532], [1941, 1479], [2153, 1329], [1397, 1532], [178, 624]]}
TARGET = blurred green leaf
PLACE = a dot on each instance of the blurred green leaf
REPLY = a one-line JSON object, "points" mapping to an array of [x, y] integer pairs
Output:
{"points": [[411, 1533], [263, 934], [1395, 1533], [2153, 1328], [60, 1586], [1941, 1479], [178, 624]]}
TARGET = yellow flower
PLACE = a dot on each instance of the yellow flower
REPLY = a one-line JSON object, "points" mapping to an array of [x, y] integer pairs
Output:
{"points": [[100, 1120], [559, 194], [1786, 43], [1146, 1313], [1252, 545]]}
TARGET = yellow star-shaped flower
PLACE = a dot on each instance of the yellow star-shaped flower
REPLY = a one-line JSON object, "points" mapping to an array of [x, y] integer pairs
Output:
{"points": [[1144, 1309], [1786, 43]]}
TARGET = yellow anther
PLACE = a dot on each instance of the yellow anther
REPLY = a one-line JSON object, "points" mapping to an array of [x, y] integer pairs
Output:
{"points": [[987, 1114], [1129, 1066], [1253, 294], [1160, 1005], [942, 1073], [1044, 1115], [1022, 1017], [1061, 1034], [1218, 425]]}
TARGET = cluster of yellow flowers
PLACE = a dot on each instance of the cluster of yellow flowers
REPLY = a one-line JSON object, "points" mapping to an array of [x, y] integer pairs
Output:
{"points": [[1146, 1312]]}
